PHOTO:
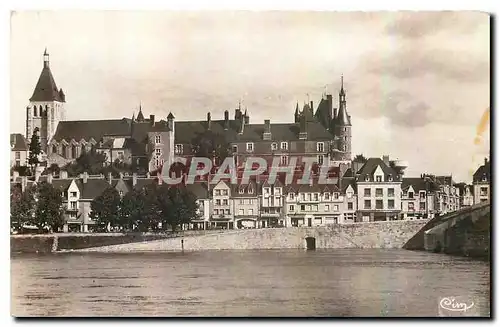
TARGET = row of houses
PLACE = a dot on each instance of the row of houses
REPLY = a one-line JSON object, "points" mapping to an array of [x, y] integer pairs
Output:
{"points": [[368, 192]]}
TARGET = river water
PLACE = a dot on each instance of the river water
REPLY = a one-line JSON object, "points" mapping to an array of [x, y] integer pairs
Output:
{"points": [[350, 282]]}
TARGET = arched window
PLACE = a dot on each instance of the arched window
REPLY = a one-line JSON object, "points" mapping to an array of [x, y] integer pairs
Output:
{"points": [[63, 152], [73, 151], [35, 111], [54, 148], [46, 111], [40, 111]]}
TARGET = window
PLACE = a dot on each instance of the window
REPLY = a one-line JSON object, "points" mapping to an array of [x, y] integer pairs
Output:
{"points": [[326, 196], [314, 207], [483, 191], [284, 160], [390, 192], [157, 139], [320, 147], [378, 178], [284, 145], [379, 192], [250, 189], [217, 202], [158, 162], [73, 205], [379, 204], [336, 195], [410, 195], [242, 201], [179, 149], [224, 202], [291, 207], [73, 194], [335, 208], [250, 212], [250, 147], [327, 207], [227, 211], [217, 192], [292, 196], [422, 206], [216, 211], [18, 155], [390, 204], [54, 148], [303, 196], [274, 146], [224, 192], [277, 191], [302, 207], [368, 192], [422, 194], [349, 205], [35, 111], [411, 206], [368, 204], [390, 178], [315, 196], [241, 190], [320, 159], [158, 152], [241, 212], [367, 178], [267, 190]]}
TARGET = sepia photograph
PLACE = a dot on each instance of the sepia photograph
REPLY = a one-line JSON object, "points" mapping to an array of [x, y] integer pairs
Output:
{"points": [[242, 164]]}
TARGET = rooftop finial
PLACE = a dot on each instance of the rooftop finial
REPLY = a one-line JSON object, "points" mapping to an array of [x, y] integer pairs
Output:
{"points": [[342, 81], [45, 58], [45, 52]]}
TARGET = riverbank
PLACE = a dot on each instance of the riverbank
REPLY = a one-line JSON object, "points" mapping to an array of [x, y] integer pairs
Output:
{"points": [[48, 243]]}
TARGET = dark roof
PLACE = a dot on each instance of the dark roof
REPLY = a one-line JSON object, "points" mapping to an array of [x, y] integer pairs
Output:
{"points": [[235, 189], [483, 171], [343, 119], [93, 188], [170, 116], [61, 184], [87, 129], [324, 112], [371, 165], [46, 88], [418, 184], [444, 180], [18, 142], [346, 181]]}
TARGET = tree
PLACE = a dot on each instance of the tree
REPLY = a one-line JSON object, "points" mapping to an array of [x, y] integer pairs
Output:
{"points": [[105, 209], [211, 145], [91, 162], [180, 207], [34, 149], [21, 207], [132, 209], [53, 169], [360, 158], [48, 207]]}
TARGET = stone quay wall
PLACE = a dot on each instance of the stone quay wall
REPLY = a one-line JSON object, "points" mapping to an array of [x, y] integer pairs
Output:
{"points": [[391, 234]]}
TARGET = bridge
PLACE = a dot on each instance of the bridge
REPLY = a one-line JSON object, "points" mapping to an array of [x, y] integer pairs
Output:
{"points": [[463, 232]]}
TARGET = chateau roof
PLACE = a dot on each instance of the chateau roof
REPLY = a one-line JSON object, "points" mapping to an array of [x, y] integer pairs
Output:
{"points": [[483, 171], [371, 165], [87, 129], [18, 142]]}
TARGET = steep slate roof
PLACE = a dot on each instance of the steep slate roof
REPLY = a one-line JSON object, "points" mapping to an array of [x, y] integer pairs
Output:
{"points": [[418, 184], [93, 188], [444, 180], [324, 112], [484, 170], [235, 189], [87, 129], [18, 142], [346, 181], [199, 190], [371, 165], [46, 88]]}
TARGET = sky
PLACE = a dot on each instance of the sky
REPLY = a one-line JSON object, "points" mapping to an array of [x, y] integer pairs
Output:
{"points": [[417, 83]]}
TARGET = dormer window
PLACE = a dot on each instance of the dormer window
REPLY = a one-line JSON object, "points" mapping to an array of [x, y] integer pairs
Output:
{"points": [[367, 178], [390, 178], [484, 179], [378, 178], [292, 196], [250, 147], [320, 147], [157, 139], [284, 145], [326, 196], [235, 148], [241, 190], [250, 189], [274, 146], [179, 149]]}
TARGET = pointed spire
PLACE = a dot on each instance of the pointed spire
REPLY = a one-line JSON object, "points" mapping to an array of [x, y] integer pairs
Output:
{"points": [[45, 52], [246, 111], [342, 92], [297, 108], [140, 116]]}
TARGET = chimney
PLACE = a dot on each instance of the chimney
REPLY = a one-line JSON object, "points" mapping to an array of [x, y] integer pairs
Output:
{"points": [[303, 128], [385, 159], [85, 177], [209, 121], [226, 120], [267, 130], [134, 179], [152, 119], [15, 175], [24, 183], [63, 174], [49, 178], [110, 178]]}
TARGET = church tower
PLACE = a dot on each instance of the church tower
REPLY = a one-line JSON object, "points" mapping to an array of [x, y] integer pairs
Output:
{"points": [[342, 126], [46, 107]]}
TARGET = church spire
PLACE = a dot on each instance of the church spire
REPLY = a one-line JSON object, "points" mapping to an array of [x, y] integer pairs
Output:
{"points": [[140, 116], [46, 89]]}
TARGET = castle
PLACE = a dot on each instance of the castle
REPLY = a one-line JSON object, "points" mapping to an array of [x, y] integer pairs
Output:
{"points": [[324, 135]]}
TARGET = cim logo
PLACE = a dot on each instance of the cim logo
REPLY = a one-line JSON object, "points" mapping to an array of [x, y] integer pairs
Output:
{"points": [[454, 306]]}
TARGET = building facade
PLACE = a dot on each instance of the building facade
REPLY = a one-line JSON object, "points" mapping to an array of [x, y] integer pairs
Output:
{"points": [[481, 182]]}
